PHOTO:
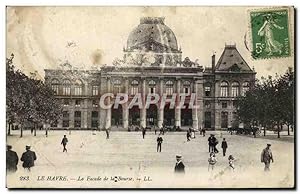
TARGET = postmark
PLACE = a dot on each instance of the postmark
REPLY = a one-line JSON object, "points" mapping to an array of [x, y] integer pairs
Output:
{"points": [[270, 36]]}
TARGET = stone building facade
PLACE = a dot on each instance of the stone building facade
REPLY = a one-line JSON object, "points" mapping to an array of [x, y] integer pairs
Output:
{"points": [[152, 63]]}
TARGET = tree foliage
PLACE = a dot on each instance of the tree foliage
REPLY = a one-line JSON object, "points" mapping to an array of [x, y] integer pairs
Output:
{"points": [[269, 103], [29, 100]]}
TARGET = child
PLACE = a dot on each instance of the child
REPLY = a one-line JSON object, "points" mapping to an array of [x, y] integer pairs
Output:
{"points": [[212, 160], [231, 162]]}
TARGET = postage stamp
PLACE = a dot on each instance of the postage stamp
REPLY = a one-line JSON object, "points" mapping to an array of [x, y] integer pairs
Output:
{"points": [[270, 33]]}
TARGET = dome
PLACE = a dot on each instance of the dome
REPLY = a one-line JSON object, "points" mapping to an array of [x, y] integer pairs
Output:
{"points": [[152, 32]]}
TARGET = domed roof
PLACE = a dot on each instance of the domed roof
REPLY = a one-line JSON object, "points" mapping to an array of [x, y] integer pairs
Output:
{"points": [[152, 31]]}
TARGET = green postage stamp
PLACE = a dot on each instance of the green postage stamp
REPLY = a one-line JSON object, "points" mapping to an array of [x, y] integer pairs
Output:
{"points": [[270, 33]]}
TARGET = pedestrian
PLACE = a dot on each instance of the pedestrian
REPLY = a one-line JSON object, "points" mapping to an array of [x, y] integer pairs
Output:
{"points": [[179, 166], [12, 160], [267, 157], [214, 144], [144, 132], [107, 133], [224, 146], [159, 142], [231, 162], [155, 130], [28, 158], [203, 132], [188, 136], [210, 144], [64, 142], [212, 160]]}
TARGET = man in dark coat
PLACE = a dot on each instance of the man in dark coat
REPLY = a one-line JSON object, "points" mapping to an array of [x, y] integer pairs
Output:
{"points": [[266, 157], [28, 158], [188, 136], [224, 146], [210, 143], [179, 166], [64, 142], [215, 143], [159, 142], [144, 132], [12, 159]]}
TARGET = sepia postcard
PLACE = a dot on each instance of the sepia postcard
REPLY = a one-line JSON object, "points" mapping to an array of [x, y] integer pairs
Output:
{"points": [[150, 97]]}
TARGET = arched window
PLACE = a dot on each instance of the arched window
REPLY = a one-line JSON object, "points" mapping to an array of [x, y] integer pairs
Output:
{"points": [[78, 88], [207, 89], [235, 89], [67, 87], [246, 87], [117, 86], [187, 87], [224, 89], [134, 87], [55, 86], [169, 87], [152, 85]]}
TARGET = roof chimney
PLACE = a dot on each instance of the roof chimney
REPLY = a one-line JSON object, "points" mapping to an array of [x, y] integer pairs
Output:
{"points": [[213, 62]]}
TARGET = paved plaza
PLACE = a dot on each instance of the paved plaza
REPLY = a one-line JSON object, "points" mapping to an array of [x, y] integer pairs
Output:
{"points": [[130, 157]]}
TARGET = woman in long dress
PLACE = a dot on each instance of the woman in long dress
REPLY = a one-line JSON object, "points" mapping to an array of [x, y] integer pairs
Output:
{"points": [[272, 46]]}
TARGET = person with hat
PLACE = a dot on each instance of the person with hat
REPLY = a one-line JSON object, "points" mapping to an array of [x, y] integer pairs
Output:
{"points": [[28, 158], [64, 142], [211, 140], [266, 157], [179, 166], [12, 159], [159, 142]]}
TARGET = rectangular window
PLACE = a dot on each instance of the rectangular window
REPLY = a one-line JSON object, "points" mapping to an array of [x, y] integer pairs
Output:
{"points": [[95, 90], [65, 123], [207, 104], [95, 123], [234, 104], [66, 102], [77, 123], [207, 90], [77, 114], [224, 104], [151, 90], [207, 120], [95, 103], [77, 103], [94, 114], [66, 114], [187, 90]]}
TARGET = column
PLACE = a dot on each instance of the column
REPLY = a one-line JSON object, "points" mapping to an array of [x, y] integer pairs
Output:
{"points": [[71, 116], [230, 120], [160, 109], [143, 110], [194, 110], [200, 110], [108, 111], [85, 113], [178, 109], [125, 106]]}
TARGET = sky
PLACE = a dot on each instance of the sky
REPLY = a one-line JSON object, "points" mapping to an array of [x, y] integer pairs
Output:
{"points": [[45, 37]]}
